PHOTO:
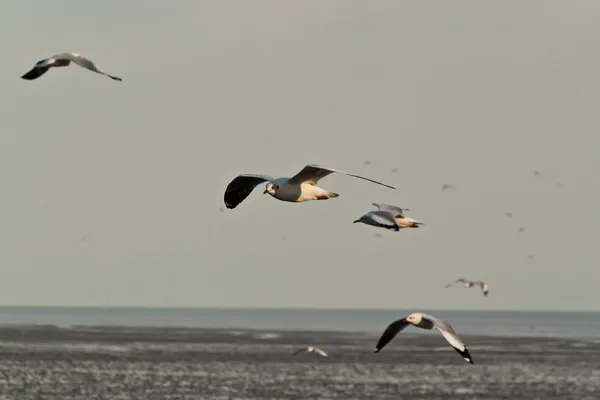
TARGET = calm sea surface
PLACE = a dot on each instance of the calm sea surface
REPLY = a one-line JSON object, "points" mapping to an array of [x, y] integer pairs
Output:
{"points": [[504, 323]]}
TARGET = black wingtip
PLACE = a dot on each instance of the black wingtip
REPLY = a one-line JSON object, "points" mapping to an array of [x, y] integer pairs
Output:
{"points": [[465, 354]]}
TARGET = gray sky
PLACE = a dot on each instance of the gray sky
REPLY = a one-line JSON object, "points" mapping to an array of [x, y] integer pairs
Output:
{"points": [[472, 93]]}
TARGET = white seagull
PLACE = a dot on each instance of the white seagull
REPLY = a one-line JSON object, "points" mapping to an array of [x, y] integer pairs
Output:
{"points": [[482, 285], [389, 217], [311, 349], [63, 60], [424, 321], [299, 188]]}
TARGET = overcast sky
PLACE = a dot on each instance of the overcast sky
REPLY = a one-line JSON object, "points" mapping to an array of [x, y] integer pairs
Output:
{"points": [[111, 190]]}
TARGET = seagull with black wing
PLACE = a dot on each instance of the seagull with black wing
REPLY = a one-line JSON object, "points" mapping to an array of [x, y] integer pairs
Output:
{"points": [[389, 217], [297, 189], [63, 60], [425, 321]]}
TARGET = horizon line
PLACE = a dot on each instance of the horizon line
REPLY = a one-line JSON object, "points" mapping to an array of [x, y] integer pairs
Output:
{"points": [[291, 308]]}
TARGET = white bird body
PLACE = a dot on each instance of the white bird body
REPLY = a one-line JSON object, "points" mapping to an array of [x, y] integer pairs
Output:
{"points": [[297, 189], [290, 193], [424, 321]]}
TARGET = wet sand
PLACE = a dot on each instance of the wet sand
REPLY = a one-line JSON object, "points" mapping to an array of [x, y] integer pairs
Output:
{"points": [[154, 363]]}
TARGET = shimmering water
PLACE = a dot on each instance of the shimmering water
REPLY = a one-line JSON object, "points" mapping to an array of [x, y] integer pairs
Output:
{"points": [[505, 323]]}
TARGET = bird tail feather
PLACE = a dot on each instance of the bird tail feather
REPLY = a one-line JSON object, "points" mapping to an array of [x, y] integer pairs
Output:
{"points": [[333, 195]]}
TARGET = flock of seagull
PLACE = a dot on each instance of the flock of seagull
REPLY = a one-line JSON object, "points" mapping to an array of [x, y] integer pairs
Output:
{"points": [[303, 187]]}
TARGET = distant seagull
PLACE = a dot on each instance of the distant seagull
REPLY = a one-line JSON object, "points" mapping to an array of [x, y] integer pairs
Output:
{"points": [[297, 189], [508, 214], [394, 170], [536, 172], [424, 321], [521, 229], [389, 217], [311, 349], [447, 186], [482, 285], [63, 60]]}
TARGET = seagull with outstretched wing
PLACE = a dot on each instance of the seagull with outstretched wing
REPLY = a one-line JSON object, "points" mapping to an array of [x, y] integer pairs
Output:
{"points": [[63, 60], [311, 349], [482, 285], [297, 189], [425, 321], [388, 217]]}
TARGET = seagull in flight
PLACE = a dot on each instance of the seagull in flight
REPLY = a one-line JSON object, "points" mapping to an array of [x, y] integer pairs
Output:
{"points": [[311, 349], [389, 217], [482, 285], [297, 189], [424, 321], [63, 60]]}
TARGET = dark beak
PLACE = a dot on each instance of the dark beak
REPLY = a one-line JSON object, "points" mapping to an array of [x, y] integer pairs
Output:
{"points": [[358, 220]]}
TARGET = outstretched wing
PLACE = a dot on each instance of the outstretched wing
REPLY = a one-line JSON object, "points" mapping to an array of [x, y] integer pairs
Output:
{"points": [[298, 351], [321, 352], [386, 207], [241, 187], [451, 337], [460, 280], [85, 63], [312, 173], [35, 73], [390, 332], [484, 287]]}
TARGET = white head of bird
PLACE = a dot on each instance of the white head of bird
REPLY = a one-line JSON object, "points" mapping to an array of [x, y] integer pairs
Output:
{"points": [[414, 318]]}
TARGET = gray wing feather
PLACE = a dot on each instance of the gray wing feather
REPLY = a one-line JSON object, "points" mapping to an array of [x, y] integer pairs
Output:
{"points": [[241, 187], [451, 336], [312, 173], [85, 63], [387, 207], [382, 218], [456, 281]]}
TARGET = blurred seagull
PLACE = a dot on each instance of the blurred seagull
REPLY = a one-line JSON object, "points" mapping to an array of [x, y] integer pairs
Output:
{"points": [[311, 349], [389, 217], [482, 285], [63, 60], [424, 321], [297, 189]]}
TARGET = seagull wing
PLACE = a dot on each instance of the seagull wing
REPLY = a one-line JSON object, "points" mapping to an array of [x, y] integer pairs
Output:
{"points": [[455, 282], [312, 173], [241, 187], [484, 287], [85, 63], [451, 336], [321, 352], [35, 73], [298, 351], [386, 207], [390, 332]]}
